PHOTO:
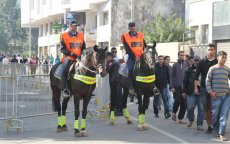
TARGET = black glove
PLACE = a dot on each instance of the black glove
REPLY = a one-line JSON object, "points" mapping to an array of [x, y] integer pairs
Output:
{"points": [[75, 56]]}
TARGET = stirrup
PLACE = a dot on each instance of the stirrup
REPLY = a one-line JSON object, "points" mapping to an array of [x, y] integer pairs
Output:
{"points": [[66, 93]]}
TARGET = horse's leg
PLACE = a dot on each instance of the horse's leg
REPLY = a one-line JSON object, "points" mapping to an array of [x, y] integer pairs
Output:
{"points": [[113, 91], [140, 116], [64, 107], [76, 113], [84, 114], [145, 106], [125, 109], [57, 107]]}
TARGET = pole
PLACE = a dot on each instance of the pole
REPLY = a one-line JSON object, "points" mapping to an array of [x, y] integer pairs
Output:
{"points": [[29, 29], [132, 10]]}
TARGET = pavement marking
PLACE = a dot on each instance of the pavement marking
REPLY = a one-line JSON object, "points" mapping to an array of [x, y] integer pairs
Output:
{"points": [[160, 130], [163, 132]]}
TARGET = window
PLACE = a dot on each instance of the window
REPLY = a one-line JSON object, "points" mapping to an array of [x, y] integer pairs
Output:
{"points": [[43, 2], [47, 29], [32, 5], [195, 35], [51, 4], [204, 34], [105, 18], [95, 21], [38, 6], [41, 31], [51, 28]]}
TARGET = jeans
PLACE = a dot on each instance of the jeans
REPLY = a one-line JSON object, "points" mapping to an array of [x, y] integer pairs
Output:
{"points": [[170, 99], [220, 110], [192, 101], [179, 101], [165, 102], [207, 105]]}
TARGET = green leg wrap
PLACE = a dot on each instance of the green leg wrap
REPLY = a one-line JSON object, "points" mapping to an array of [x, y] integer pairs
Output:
{"points": [[76, 124], [61, 120], [126, 112], [141, 119], [83, 123], [112, 116]]}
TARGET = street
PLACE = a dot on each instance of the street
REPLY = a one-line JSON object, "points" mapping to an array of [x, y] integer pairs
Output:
{"points": [[43, 130]]}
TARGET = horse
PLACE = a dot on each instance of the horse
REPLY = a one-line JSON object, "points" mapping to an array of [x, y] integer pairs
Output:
{"points": [[144, 78], [81, 83], [115, 79], [120, 79]]}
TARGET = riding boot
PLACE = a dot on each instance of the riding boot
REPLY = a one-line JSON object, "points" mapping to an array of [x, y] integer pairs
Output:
{"points": [[131, 88], [66, 65]]}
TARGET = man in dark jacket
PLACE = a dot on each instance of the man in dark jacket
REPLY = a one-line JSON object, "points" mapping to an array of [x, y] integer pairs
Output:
{"points": [[177, 74], [162, 80], [202, 70], [193, 99], [112, 68]]}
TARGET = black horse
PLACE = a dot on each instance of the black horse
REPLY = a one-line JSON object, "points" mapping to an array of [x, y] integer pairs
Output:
{"points": [[144, 82], [82, 82], [119, 77], [117, 82]]}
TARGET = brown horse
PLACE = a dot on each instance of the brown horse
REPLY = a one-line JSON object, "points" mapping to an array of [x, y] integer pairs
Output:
{"points": [[81, 83]]}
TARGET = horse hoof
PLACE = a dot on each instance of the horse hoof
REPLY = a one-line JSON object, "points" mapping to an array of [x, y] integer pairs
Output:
{"points": [[140, 127], [64, 128], [59, 129], [83, 133], [145, 127], [129, 122], [77, 133], [111, 123]]}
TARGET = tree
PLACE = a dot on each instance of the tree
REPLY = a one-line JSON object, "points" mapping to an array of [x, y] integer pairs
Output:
{"points": [[171, 29], [10, 21]]}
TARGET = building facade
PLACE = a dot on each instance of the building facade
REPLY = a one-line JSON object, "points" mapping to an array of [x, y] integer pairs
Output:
{"points": [[209, 21], [103, 20]]}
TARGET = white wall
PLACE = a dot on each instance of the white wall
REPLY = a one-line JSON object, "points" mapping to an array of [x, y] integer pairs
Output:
{"points": [[104, 31], [199, 12]]}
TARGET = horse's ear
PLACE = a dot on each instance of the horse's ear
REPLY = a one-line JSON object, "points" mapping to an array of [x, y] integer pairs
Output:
{"points": [[105, 49], [95, 48], [154, 44]]}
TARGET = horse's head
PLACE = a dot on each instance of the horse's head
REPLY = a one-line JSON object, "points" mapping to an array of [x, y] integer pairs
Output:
{"points": [[100, 56], [149, 55]]}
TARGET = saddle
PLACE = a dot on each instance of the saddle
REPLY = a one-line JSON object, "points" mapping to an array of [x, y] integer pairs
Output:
{"points": [[59, 71]]}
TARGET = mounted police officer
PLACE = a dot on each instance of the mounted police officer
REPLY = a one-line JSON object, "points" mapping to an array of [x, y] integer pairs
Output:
{"points": [[72, 46], [134, 45]]}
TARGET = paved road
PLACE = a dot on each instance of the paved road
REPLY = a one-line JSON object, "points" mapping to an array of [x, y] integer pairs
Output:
{"points": [[42, 130]]}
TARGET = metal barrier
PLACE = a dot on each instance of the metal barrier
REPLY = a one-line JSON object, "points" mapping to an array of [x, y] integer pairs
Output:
{"points": [[6, 97], [99, 105], [31, 96], [16, 69]]}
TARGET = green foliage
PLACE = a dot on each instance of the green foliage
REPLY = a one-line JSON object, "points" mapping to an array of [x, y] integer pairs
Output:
{"points": [[171, 29], [10, 22]]}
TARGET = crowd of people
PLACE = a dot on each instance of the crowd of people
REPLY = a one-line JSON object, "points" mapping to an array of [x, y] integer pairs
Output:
{"points": [[33, 62], [191, 82]]}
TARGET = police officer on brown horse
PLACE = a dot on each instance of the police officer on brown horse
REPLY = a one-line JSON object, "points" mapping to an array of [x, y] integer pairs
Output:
{"points": [[72, 46]]}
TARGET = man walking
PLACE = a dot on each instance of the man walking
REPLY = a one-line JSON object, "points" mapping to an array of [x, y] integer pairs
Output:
{"points": [[202, 70], [217, 85], [193, 99], [162, 80], [178, 69]]}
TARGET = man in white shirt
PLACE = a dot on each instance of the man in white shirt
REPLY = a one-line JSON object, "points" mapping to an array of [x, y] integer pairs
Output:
{"points": [[115, 57]]}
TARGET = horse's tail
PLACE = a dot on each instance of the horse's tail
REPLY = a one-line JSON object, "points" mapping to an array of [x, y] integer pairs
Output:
{"points": [[54, 87]]}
